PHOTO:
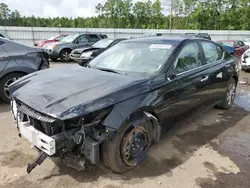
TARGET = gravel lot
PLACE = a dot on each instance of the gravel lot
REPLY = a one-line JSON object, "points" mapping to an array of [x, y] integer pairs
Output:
{"points": [[212, 150]]}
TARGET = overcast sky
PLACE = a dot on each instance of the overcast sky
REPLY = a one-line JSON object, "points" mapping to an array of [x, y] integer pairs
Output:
{"points": [[54, 8]]}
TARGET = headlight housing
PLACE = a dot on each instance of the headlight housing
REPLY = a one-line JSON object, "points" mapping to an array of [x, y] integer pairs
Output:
{"points": [[86, 54], [51, 47]]}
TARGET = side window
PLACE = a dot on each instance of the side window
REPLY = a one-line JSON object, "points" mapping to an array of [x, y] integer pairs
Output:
{"points": [[93, 38], [61, 37], [188, 59], [82, 39], [212, 52]]}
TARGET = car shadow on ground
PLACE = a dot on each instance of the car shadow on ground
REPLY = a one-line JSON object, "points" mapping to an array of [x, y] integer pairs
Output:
{"points": [[186, 144], [4, 106]]}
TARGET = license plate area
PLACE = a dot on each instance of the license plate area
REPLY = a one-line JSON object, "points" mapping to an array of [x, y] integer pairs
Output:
{"points": [[37, 138]]}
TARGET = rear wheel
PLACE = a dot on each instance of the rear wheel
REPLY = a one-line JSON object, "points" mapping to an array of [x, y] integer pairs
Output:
{"points": [[5, 82], [228, 99], [128, 148], [64, 55]]}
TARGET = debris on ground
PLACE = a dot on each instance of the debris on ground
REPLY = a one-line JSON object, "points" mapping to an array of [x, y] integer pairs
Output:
{"points": [[242, 82]]}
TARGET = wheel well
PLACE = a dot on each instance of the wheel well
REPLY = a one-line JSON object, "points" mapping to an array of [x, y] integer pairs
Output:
{"points": [[152, 118], [236, 78], [65, 49], [13, 73]]}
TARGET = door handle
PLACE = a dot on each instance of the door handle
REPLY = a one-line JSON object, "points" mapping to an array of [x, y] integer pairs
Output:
{"points": [[228, 65], [204, 78]]}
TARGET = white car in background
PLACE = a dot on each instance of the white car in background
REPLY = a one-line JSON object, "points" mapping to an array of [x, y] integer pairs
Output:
{"points": [[245, 61], [247, 41]]}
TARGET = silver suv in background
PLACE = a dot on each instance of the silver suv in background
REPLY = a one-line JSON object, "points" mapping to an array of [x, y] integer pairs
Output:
{"points": [[17, 60], [63, 48]]}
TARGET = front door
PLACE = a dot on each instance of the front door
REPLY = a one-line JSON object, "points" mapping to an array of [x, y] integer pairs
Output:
{"points": [[189, 96]]}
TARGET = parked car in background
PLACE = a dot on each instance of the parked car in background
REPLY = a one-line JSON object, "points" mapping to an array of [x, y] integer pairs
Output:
{"points": [[239, 46], [57, 38], [3, 34], [199, 35], [85, 54], [247, 41], [124, 101], [63, 48], [245, 61], [17, 60]]}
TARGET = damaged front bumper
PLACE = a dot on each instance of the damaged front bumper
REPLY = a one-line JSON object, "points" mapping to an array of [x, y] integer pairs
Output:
{"points": [[62, 144]]}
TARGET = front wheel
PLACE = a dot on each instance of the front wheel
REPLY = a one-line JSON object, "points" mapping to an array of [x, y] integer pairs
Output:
{"points": [[128, 148], [5, 82], [228, 99], [64, 55]]}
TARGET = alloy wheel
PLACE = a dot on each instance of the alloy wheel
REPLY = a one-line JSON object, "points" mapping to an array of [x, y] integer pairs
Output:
{"points": [[7, 85], [66, 56]]}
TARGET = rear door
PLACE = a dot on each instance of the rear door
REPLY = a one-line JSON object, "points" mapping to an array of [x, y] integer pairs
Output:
{"points": [[92, 38], [217, 66]]}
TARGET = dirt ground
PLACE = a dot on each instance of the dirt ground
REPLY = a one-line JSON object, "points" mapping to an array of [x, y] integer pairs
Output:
{"points": [[211, 151]]}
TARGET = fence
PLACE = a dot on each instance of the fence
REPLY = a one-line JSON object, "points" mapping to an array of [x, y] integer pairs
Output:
{"points": [[27, 35]]}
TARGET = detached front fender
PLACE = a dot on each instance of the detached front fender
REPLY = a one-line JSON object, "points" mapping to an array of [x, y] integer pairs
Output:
{"points": [[136, 110]]}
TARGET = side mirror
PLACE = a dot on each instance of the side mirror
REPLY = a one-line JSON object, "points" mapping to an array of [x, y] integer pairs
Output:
{"points": [[171, 76], [76, 42]]}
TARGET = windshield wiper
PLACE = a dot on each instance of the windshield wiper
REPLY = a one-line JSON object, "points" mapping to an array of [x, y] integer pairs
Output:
{"points": [[108, 70]]}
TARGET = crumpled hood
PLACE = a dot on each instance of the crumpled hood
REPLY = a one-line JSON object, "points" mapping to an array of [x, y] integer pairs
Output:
{"points": [[71, 91], [81, 50]]}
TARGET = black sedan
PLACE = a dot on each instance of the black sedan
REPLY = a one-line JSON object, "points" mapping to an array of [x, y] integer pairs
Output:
{"points": [[17, 60], [84, 55], [123, 101]]}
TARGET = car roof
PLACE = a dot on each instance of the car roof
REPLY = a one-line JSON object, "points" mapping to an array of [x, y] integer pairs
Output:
{"points": [[158, 39]]}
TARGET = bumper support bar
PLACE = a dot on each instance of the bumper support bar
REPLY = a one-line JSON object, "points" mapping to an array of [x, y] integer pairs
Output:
{"points": [[39, 160]]}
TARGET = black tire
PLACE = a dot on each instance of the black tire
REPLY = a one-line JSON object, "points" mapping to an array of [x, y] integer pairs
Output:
{"points": [[226, 104], [111, 149], [8, 79], [64, 55]]}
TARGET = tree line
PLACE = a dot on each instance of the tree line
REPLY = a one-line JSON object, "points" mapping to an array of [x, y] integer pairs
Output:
{"points": [[186, 14]]}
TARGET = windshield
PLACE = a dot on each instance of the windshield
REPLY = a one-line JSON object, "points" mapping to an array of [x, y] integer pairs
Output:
{"points": [[143, 58], [226, 43], [69, 38], [103, 43]]}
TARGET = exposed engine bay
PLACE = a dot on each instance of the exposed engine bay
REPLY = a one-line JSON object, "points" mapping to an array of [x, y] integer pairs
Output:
{"points": [[75, 141]]}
